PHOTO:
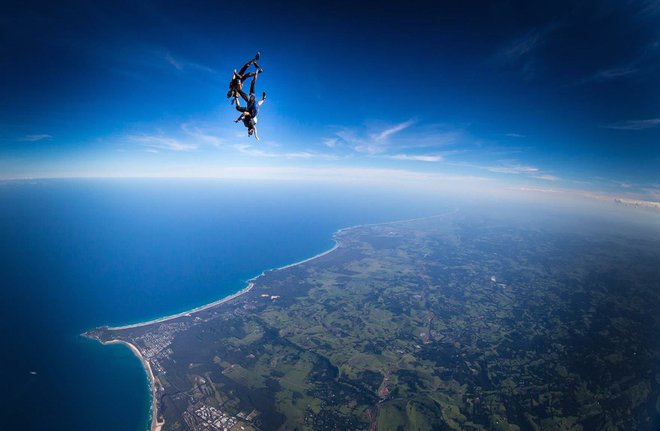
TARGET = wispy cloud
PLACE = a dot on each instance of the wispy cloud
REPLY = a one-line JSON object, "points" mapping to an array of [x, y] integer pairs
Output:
{"points": [[253, 151], [162, 143], [371, 142], [201, 134], [526, 45], [37, 137], [515, 135], [614, 73], [546, 177], [523, 51], [649, 7], [187, 137], [182, 64], [522, 46], [330, 142], [634, 124], [177, 65], [395, 139], [512, 169], [384, 134], [417, 157]]}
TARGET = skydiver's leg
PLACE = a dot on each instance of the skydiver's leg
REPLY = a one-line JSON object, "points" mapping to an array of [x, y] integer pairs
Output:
{"points": [[244, 68], [241, 109], [254, 80], [247, 75], [246, 65], [243, 95]]}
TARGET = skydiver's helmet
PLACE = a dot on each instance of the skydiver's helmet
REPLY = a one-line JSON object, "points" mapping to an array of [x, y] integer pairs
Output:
{"points": [[250, 131]]}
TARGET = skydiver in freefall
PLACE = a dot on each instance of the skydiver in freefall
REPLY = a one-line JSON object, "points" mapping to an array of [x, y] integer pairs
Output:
{"points": [[237, 79], [249, 113]]}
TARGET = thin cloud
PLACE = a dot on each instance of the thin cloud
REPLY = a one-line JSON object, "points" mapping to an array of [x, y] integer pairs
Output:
{"points": [[521, 46], [527, 44], [512, 169], [635, 124], [331, 142], [523, 51], [622, 184], [614, 73], [515, 135], [417, 157], [383, 135], [373, 141], [546, 177], [377, 142], [251, 151], [649, 7], [177, 65], [201, 135], [163, 143], [190, 136], [182, 65], [37, 137]]}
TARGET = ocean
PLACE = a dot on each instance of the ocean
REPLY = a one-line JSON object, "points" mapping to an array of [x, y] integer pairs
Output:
{"points": [[83, 253]]}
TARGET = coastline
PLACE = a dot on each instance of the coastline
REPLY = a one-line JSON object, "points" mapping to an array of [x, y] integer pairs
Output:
{"points": [[156, 425], [228, 298], [189, 312], [252, 280]]}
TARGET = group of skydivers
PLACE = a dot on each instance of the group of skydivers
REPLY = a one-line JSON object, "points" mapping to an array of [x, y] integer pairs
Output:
{"points": [[249, 113]]}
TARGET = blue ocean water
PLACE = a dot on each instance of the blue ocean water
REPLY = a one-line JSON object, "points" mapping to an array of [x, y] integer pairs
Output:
{"points": [[82, 253]]}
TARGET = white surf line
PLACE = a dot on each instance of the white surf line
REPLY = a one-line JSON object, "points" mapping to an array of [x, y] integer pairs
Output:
{"points": [[253, 279], [186, 313]]}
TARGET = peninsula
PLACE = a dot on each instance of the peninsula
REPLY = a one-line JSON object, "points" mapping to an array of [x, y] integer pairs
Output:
{"points": [[449, 322]]}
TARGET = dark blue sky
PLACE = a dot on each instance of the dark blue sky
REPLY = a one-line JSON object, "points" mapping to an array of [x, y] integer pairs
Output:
{"points": [[546, 94]]}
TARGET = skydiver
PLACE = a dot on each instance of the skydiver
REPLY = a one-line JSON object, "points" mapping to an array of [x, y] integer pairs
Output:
{"points": [[249, 122], [249, 114], [236, 83]]}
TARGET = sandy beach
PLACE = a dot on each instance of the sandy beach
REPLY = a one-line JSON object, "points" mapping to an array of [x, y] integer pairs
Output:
{"points": [[155, 424], [188, 312]]}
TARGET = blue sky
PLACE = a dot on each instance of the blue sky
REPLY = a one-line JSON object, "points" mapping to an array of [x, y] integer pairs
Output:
{"points": [[552, 96]]}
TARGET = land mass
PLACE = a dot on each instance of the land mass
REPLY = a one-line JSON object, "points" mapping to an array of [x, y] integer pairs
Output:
{"points": [[444, 323]]}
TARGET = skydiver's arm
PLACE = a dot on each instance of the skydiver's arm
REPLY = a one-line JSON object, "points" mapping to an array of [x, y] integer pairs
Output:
{"points": [[255, 133], [263, 98], [240, 117]]}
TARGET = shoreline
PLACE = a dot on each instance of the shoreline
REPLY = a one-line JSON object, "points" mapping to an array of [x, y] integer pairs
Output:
{"points": [[187, 313], [251, 283], [155, 425]]}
